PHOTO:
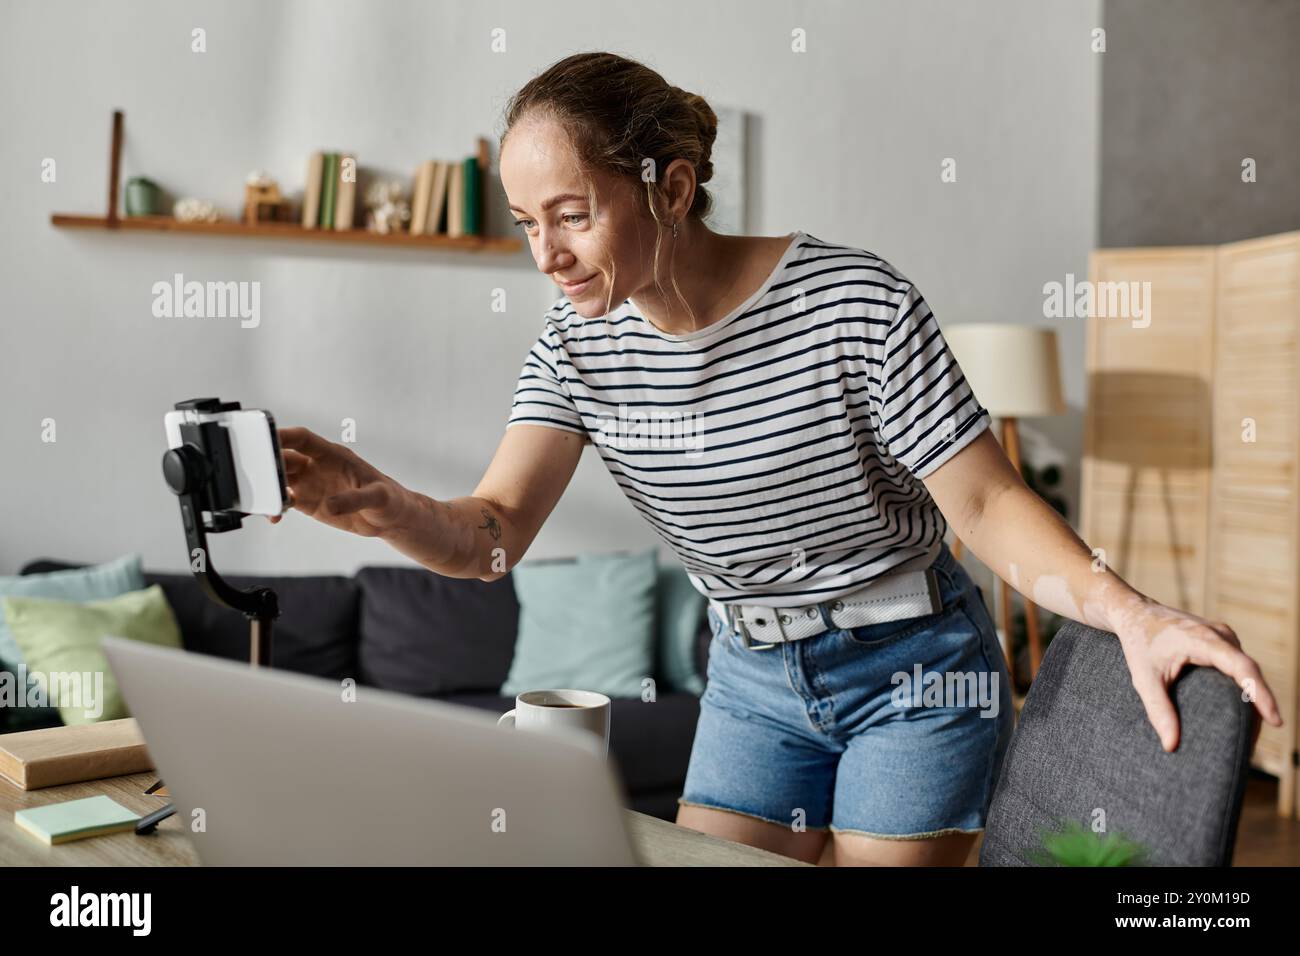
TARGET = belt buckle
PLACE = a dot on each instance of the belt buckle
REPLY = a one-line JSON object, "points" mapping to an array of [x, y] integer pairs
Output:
{"points": [[739, 626]]}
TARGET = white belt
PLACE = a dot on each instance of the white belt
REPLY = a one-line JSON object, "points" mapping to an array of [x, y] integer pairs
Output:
{"points": [[891, 597]]}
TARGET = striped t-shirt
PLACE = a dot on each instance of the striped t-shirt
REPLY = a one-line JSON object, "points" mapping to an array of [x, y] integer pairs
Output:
{"points": [[777, 450]]}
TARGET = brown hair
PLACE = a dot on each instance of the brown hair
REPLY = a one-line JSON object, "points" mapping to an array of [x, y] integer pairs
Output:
{"points": [[619, 115]]}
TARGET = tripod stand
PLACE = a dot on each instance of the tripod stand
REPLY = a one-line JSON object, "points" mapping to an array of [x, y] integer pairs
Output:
{"points": [[201, 474]]}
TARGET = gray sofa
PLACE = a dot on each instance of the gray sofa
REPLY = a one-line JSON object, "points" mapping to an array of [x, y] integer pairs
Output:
{"points": [[378, 627]]}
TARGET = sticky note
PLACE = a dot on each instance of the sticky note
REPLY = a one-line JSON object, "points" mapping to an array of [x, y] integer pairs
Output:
{"points": [[76, 819]]}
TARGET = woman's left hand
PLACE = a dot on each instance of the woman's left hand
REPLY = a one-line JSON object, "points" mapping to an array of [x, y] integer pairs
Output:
{"points": [[1158, 641]]}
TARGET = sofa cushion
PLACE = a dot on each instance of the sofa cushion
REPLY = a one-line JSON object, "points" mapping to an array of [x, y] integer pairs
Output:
{"points": [[679, 609], [316, 632], [89, 583], [649, 741], [586, 621], [63, 637], [428, 634]]}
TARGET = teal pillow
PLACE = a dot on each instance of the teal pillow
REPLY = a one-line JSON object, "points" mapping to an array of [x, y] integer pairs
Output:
{"points": [[585, 623], [73, 584], [680, 611], [63, 637]]}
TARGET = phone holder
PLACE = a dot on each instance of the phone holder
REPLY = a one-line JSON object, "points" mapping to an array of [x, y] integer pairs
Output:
{"points": [[201, 474]]}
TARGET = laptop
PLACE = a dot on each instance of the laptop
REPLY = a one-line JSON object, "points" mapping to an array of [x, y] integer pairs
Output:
{"points": [[274, 768]]}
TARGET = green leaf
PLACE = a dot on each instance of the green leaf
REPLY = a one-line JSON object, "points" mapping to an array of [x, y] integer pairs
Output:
{"points": [[1077, 845]]}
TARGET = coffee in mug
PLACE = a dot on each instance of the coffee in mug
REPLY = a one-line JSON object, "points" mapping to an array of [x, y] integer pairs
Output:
{"points": [[542, 710]]}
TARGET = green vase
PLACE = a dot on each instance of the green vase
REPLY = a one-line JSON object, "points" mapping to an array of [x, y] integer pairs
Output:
{"points": [[143, 197]]}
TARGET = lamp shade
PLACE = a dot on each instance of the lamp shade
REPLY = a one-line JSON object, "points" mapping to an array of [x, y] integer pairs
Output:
{"points": [[1012, 369]]}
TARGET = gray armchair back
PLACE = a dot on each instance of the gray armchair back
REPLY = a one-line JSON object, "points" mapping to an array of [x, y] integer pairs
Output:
{"points": [[1084, 744]]}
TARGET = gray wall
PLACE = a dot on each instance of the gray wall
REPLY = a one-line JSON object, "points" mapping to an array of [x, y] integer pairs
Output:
{"points": [[848, 143], [1190, 88]]}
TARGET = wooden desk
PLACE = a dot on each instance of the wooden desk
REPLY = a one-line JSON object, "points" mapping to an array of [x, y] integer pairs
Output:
{"points": [[657, 842]]}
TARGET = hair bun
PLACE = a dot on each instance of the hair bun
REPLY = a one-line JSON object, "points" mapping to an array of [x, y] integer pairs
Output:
{"points": [[704, 117], [707, 122]]}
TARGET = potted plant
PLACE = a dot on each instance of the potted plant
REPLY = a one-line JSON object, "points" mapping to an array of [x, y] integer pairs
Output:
{"points": [[1077, 845]]}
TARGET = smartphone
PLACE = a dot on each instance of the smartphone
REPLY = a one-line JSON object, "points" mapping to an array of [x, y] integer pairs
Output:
{"points": [[243, 447]]}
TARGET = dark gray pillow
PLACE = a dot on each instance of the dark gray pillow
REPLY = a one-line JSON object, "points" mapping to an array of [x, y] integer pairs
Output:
{"points": [[424, 633], [316, 632]]}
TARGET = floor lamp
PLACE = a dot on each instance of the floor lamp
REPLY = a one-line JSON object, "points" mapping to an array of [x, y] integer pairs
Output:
{"points": [[1015, 373]]}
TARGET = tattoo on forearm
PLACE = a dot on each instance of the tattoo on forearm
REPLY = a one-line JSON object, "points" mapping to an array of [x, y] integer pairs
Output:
{"points": [[492, 525]]}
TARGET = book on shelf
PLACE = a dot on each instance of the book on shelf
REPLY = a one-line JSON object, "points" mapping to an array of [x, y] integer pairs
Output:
{"points": [[446, 196], [456, 200], [420, 196], [345, 197], [473, 192], [429, 198], [311, 190], [438, 201], [329, 196], [329, 189]]}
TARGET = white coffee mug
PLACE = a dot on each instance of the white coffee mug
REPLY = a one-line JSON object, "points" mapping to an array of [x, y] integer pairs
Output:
{"points": [[541, 710]]}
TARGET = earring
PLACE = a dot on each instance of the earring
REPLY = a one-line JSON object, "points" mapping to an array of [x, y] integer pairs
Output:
{"points": [[674, 230]]}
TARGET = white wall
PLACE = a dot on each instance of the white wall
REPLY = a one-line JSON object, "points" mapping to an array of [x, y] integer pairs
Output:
{"points": [[848, 141]]}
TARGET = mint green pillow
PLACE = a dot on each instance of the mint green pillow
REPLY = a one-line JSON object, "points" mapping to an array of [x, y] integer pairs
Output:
{"points": [[680, 611], [585, 623], [63, 638], [71, 584]]}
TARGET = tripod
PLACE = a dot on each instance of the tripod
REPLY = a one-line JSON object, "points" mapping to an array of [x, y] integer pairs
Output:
{"points": [[201, 474]]}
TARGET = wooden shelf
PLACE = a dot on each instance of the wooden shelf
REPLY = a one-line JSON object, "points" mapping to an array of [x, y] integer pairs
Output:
{"points": [[291, 231], [285, 230]]}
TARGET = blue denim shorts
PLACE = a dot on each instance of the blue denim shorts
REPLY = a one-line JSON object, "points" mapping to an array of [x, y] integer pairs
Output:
{"points": [[893, 730]]}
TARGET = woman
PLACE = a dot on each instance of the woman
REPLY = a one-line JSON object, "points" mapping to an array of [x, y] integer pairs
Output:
{"points": [[822, 435]]}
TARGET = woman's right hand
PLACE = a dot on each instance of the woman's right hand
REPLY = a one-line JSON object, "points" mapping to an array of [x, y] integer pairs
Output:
{"points": [[331, 483]]}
